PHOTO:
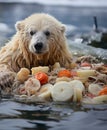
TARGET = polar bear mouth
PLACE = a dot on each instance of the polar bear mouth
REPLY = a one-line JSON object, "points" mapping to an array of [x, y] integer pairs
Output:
{"points": [[41, 52], [38, 51], [39, 48]]}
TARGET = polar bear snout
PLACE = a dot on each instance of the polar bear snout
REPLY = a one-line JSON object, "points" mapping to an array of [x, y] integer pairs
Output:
{"points": [[38, 46], [39, 43]]}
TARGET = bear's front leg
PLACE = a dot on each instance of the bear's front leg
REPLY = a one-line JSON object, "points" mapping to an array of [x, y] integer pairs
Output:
{"points": [[6, 81]]}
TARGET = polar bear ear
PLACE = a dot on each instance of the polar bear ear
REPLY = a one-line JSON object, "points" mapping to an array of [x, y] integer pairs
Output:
{"points": [[19, 25], [63, 28]]}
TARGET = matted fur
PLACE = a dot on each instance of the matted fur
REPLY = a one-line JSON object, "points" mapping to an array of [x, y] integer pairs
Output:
{"points": [[15, 54]]}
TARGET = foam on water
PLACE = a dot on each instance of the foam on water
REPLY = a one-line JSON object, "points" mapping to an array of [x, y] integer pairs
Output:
{"points": [[77, 47], [4, 28]]}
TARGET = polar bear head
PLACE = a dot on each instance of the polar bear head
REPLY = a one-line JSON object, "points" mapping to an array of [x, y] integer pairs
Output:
{"points": [[40, 33]]}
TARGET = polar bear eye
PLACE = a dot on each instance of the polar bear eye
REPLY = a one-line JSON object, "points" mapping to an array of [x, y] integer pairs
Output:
{"points": [[32, 33], [47, 33]]}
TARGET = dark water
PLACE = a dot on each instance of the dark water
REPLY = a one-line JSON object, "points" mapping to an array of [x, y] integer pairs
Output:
{"points": [[51, 116]]}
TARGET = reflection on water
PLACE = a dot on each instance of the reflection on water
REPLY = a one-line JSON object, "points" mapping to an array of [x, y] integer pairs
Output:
{"points": [[53, 116]]}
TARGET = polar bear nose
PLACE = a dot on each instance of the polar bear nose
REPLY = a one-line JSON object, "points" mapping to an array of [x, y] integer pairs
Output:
{"points": [[38, 46]]}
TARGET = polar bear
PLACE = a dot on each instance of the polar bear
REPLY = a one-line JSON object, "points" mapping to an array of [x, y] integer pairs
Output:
{"points": [[39, 41]]}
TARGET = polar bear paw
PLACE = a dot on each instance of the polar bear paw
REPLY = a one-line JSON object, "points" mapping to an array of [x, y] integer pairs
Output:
{"points": [[6, 79]]}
